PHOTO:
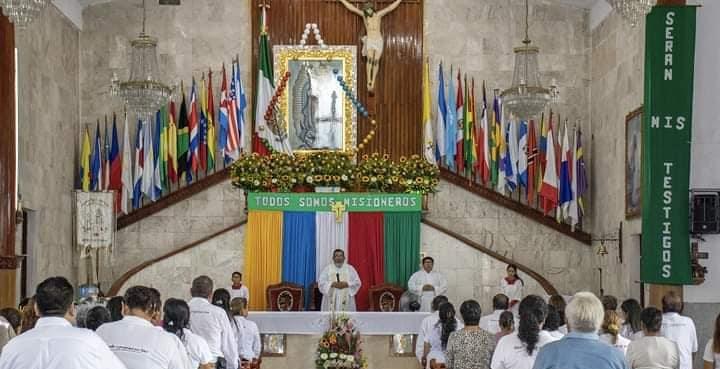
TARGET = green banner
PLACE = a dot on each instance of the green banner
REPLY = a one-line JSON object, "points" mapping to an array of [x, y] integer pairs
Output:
{"points": [[669, 63], [351, 202]]}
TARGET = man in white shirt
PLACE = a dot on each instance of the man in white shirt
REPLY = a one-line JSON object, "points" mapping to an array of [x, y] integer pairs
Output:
{"points": [[679, 329], [54, 343], [211, 323], [338, 283], [249, 343], [426, 284], [491, 322], [136, 341], [237, 289]]}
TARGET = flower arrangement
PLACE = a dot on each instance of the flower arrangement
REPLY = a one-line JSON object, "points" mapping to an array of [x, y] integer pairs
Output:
{"points": [[283, 177], [251, 172], [417, 175], [377, 173], [329, 168], [340, 346]]}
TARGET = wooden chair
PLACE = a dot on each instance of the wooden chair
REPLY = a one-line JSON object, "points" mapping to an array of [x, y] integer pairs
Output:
{"points": [[285, 297], [315, 297], [385, 297]]}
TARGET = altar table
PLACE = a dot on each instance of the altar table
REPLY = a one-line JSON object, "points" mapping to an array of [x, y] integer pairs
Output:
{"points": [[316, 322]]}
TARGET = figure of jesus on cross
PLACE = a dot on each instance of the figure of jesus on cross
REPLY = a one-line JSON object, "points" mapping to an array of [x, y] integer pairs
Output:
{"points": [[372, 42]]}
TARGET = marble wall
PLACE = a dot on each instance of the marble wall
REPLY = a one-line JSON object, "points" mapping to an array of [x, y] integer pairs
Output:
{"points": [[48, 75]]}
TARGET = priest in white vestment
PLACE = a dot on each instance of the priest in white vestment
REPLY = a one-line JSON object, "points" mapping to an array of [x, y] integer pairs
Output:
{"points": [[426, 284], [338, 283]]}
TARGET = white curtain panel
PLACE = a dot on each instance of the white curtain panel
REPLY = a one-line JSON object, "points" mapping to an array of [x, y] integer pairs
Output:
{"points": [[329, 235]]}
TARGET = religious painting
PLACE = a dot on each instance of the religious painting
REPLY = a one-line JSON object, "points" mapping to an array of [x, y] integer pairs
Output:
{"points": [[273, 344], [320, 115], [633, 163], [387, 302], [285, 301], [403, 345]]}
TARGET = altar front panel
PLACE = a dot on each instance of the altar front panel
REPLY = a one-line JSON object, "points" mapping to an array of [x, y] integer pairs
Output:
{"points": [[316, 323]]}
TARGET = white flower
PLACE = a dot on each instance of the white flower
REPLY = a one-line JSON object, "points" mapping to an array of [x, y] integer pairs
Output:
{"points": [[256, 183], [342, 356], [344, 177], [293, 180], [274, 180], [324, 356], [351, 358], [373, 179], [333, 355], [309, 179]]}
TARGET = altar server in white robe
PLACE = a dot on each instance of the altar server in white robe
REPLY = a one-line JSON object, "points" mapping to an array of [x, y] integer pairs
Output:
{"points": [[426, 284], [338, 283]]}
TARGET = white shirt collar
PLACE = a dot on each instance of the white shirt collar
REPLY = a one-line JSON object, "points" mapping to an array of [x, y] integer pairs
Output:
{"points": [[129, 319], [200, 299], [52, 321]]}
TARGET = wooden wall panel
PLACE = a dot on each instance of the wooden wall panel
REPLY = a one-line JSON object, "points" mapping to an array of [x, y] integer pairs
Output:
{"points": [[398, 89], [7, 138]]}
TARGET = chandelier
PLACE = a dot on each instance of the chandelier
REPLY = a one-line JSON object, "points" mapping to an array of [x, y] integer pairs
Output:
{"points": [[633, 10], [143, 92], [22, 12], [527, 97]]}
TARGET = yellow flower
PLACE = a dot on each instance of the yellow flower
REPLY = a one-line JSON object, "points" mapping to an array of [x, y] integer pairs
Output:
{"points": [[327, 178], [386, 156], [418, 180], [333, 339], [318, 178], [403, 159], [365, 179], [336, 178]]}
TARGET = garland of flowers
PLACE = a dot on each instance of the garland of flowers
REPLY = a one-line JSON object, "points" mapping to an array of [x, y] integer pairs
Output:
{"points": [[340, 346]]}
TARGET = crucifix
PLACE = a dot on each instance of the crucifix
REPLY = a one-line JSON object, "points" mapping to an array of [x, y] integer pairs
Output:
{"points": [[338, 208], [372, 42]]}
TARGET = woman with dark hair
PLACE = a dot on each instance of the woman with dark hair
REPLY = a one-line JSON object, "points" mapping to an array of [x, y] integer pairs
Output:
{"points": [[519, 350], [96, 317], [559, 303], [506, 324], [711, 356], [221, 299], [610, 332], [176, 315], [652, 350], [512, 285], [632, 327], [470, 347], [436, 343], [552, 323], [116, 306], [29, 318]]}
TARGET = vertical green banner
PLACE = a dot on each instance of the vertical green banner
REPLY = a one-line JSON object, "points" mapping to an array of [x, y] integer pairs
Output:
{"points": [[669, 64]]}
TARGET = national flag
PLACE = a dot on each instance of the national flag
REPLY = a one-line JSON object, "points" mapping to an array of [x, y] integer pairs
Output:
{"points": [[549, 187], [228, 128], [106, 161], [239, 105], [85, 162], [542, 150], [573, 208], [429, 142], [566, 195], [501, 149], [211, 139], [532, 164], [193, 127], [511, 157], [156, 157], [96, 162], [265, 88], [203, 126], [580, 175], [126, 189], [483, 148], [440, 122], [115, 167], [494, 140], [450, 125], [183, 143], [460, 115], [522, 155], [139, 164], [163, 153], [148, 185], [172, 145], [469, 149]]}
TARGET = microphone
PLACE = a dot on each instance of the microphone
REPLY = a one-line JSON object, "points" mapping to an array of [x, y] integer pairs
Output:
{"points": [[337, 276]]}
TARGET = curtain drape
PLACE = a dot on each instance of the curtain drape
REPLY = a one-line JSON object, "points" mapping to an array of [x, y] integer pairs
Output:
{"points": [[366, 252], [263, 254], [330, 235], [298, 254], [402, 247]]}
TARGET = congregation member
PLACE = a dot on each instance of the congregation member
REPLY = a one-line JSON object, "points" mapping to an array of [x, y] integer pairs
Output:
{"points": [[519, 350], [558, 302], [247, 332], [54, 343], [512, 285], [507, 325], [176, 317], [491, 321], [652, 350], [13, 317], [116, 306], [679, 329], [552, 323], [29, 316], [581, 348], [611, 332], [221, 299], [96, 317], [426, 283], [428, 323], [136, 341], [338, 283], [211, 323], [237, 289], [632, 326], [436, 343], [609, 302], [711, 355], [7, 332], [470, 347]]}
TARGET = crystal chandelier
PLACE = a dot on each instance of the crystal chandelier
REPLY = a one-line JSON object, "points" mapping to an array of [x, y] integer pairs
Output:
{"points": [[143, 92], [527, 97], [633, 10], [22, 12]]}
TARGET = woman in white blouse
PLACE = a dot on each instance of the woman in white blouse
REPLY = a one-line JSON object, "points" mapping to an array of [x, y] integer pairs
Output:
{"points": [[176, 315], [711, 356], [611, 332], [512, 285], [436, 343]]}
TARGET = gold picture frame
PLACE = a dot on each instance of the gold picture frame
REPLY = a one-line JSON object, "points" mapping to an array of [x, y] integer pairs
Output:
{"points": [[320, 116]]}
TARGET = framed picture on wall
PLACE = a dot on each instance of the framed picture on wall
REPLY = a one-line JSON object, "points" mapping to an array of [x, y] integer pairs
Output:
{"points": [[633, 163]]}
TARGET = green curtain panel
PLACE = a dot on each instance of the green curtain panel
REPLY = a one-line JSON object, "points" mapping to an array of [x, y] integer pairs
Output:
{"points": [[402, 247]]}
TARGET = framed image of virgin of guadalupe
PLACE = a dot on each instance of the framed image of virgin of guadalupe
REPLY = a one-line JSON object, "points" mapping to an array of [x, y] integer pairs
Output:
{"points": [[320, 115], [633, 163]]}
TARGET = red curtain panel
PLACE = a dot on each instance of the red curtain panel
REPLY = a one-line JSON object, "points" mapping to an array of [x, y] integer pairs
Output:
{"points": [[366, 252]]}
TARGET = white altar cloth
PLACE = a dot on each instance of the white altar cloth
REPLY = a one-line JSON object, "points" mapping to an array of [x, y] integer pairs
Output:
{"points": [[316, 322]]}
